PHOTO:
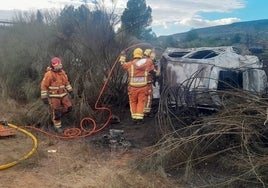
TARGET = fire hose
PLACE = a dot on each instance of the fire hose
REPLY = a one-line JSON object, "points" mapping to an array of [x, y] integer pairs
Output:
{"points": [[27, 155], [72, 132]]}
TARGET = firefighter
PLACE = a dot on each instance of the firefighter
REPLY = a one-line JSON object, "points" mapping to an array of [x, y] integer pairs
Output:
{"points": [[55, 91], [150, 55], [138, 70]]}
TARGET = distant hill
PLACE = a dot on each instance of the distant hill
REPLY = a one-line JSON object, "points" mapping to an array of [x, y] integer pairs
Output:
{"points": [[253, 32], [251, 27]]}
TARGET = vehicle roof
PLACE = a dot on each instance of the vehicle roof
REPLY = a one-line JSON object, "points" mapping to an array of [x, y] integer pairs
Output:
{"points": [[224, 56]]}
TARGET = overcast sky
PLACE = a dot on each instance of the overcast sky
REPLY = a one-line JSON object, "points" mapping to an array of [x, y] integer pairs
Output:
{"points": [[169, 16]]}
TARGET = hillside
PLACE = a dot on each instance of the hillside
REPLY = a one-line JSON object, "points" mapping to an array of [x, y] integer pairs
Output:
{"points": [[250, 27], [251, 33]]}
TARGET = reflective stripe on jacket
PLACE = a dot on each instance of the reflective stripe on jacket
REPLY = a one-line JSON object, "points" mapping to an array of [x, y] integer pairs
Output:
{"points": [[138, 71], [55, 84]]}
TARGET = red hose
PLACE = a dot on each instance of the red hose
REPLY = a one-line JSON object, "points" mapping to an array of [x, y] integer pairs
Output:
{"points": [[83, 132]]}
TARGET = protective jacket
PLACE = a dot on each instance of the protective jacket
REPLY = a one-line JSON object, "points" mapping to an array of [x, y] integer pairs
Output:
{"points": [[138, 71], [55, 84]]}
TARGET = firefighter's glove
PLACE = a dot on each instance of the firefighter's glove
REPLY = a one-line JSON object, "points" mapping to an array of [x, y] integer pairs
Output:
{"points": [[71, 93], [122, 59], [153, 74], [154, 82], [45, 101]]}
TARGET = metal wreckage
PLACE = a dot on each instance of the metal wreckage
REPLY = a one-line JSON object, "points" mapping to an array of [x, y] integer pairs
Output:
{"points": [[193, 77]]}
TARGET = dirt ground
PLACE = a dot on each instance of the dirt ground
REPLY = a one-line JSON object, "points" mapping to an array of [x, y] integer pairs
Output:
{"points": [[90, 162]]}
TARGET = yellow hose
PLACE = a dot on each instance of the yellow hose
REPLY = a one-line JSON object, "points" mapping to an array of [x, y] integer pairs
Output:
{"points": [[8, 165]]}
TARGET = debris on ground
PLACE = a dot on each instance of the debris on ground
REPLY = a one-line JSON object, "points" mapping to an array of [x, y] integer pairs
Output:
{"points": [[5, 130]]}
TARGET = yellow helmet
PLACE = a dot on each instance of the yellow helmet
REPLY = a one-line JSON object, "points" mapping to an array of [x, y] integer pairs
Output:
{"points": [[147, 52], [137, 53]]}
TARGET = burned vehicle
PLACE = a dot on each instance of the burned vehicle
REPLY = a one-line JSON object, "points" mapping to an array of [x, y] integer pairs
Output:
{"points": [[194, 77]]}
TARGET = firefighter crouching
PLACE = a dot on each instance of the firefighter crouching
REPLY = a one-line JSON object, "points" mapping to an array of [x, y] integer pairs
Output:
{"points": [[55, 88], [138, 70]]}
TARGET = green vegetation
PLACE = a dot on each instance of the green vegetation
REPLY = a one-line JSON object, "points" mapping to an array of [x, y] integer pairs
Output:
{"points": [[137, 19], [85, 41], [89, 45]]}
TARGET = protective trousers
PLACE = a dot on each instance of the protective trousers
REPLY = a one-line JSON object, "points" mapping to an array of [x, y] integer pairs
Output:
{"points": [[137, 97], [149, 99], [59, 107]]}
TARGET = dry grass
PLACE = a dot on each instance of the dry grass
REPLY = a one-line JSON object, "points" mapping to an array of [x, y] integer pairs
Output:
{"points": [[78, 163], [224, 149]]}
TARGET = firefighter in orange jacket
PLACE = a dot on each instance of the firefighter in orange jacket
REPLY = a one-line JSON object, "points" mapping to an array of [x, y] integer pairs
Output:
{"points": [[55, 88], [149, 54], [138, 70]]}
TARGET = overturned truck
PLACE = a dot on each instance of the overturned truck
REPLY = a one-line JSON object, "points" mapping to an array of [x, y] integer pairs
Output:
{"points": [[193, 77]]}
